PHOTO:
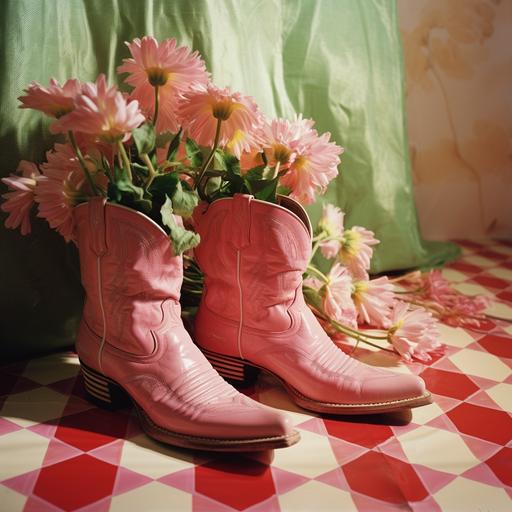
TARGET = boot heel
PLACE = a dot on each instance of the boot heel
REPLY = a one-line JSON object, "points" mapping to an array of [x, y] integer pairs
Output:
{"points": [[233, 369], [102, 391]]}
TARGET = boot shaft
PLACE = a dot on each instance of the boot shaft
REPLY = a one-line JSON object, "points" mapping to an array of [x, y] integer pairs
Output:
{"points": [[131, 278], [253, 254]]}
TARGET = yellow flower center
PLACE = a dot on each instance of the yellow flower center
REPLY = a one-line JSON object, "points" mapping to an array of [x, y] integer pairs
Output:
{"points": [[351, 243], [223, 109], [157, 76], [358, 289], [395, 327], [281, 153], [299, 162]]}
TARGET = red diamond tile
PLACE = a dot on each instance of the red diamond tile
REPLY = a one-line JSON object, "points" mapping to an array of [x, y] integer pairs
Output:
{"points": [[384, 478], [493, 255], [357, 432], [239, 484], [491, 282], [501, 465], [92, 428], [482, 422], [10, 384], [76, 482], [470, 244], [500, 346], [506, 295], [466, 268], [454, 385]]}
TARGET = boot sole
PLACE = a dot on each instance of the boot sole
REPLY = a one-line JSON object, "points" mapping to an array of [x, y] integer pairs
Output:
{"points": [[241, 373], [106, 393]]}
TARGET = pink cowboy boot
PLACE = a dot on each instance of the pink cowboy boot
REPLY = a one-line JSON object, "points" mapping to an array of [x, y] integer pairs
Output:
{"points": [[132, 342], [253, 315]]}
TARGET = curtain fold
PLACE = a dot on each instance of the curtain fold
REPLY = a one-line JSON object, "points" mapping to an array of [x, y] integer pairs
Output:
{"points": [[336, 61]]}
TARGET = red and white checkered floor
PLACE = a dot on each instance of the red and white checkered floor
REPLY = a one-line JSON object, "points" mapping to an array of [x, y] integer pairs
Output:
{"points": [[58, 452]]}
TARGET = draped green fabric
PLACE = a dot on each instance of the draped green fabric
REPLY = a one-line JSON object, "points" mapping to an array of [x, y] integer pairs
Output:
{"points": [[337, 61]]}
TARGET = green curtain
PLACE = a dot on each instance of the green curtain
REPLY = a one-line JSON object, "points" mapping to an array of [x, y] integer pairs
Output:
{"points": [[337, 61]]}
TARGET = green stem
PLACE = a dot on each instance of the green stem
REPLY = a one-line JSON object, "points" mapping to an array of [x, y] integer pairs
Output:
{"points": [[152, 173], [313, 270], [126, 161], [83, 165], [157, 101], [209, 159]]}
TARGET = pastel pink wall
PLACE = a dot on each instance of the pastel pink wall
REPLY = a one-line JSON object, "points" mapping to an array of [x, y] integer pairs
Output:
{"points": [[458, 57]]}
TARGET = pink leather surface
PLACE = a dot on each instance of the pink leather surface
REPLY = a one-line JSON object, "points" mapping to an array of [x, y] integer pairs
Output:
{"points": [[147, 349], [258, 312]]}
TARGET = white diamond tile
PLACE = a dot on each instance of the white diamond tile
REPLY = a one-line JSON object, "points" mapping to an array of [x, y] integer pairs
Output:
{"points": [[437, 449]]}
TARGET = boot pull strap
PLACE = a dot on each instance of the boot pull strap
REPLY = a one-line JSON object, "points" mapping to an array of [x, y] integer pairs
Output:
{"points": [[241, 218], [98, 240]]}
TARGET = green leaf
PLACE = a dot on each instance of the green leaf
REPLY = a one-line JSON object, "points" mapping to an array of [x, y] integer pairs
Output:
{"points": [[175, 144], [184, 200], [162, 139], [194, 153], [256, 173], [181, 239], [164, 184], [140, 169], [145, 138], [265, 190], [284, 191]]}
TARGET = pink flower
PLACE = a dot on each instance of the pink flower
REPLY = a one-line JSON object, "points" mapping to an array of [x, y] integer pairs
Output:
{"points": [[61, 187], [452, 307], [331, 223], [103, 112], [337, 301], [313, 159], [373, 300], [19, 201], [54, 100], [356, 250], [413, 332], [204, 106], [170, 68]]}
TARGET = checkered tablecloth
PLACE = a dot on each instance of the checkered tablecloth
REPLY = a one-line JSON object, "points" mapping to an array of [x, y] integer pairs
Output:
{"points": [[58, 452]]}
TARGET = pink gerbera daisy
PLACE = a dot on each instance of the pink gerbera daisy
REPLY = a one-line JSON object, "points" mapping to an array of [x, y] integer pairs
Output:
{"points": [[373, 300], [62, 186], [204, 106], [103, 112], [54, 100], [20, 198], [337, 301], [170, 68], [312, 159], [413, 332], [331, 224], [356, 250]]}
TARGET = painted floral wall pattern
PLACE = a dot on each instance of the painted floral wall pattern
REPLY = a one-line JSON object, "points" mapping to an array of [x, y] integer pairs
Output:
{"points": [[458, 57]]}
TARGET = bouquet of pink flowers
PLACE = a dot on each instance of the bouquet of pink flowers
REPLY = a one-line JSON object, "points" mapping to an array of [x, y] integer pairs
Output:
{"points": [[177, 138]]}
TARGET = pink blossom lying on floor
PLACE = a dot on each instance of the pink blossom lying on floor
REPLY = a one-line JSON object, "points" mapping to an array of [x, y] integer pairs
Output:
{"points": [[437, 294], [20, 198], [413, 332]]}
